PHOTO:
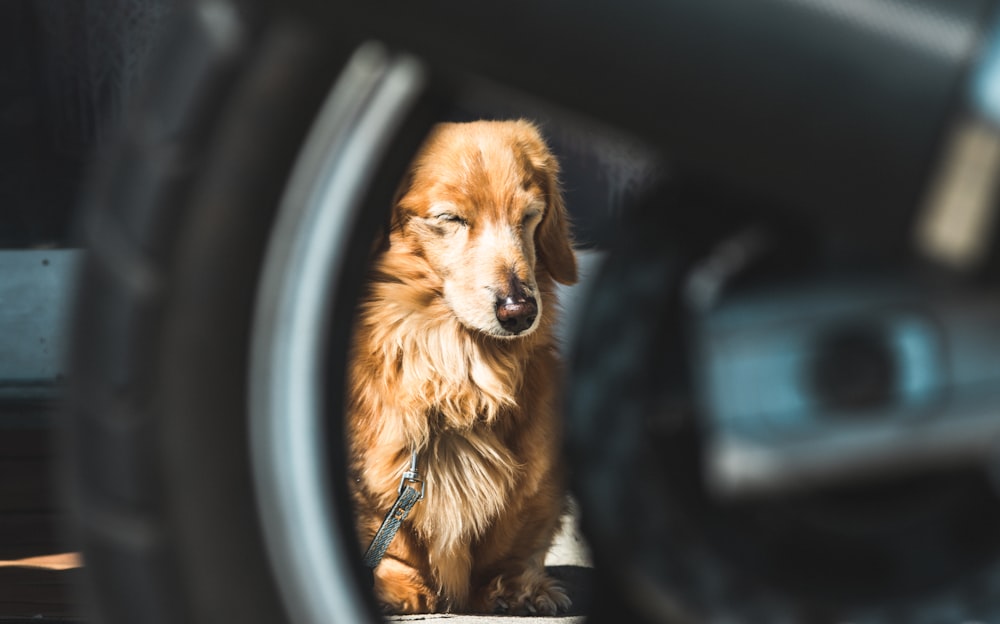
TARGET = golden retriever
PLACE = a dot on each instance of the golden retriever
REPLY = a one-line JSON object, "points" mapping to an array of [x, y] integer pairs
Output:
{"points": [[454, 357]]}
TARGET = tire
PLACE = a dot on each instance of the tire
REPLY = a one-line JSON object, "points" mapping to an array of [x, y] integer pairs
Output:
{"points": [[227, 238], [178, 225], [915, 549]]}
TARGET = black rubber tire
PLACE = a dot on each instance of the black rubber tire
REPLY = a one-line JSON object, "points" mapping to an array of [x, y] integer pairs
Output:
{"points": [[176, 224], [167, 507], [673, 553]]}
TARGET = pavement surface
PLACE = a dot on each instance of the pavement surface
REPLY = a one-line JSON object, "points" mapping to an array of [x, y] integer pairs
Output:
{"points": [[568, 560]]}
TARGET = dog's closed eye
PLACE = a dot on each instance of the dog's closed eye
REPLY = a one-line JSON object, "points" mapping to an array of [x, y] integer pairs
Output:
{"points": [[448, 217]]}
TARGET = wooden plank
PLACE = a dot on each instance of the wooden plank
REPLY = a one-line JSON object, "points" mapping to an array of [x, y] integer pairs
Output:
{"points": [[60, 561]]}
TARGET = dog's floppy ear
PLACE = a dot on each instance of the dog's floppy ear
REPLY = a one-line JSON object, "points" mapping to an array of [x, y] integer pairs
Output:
{"points": [[406, 200], [553, 242], [394, 220], [398, 216]]}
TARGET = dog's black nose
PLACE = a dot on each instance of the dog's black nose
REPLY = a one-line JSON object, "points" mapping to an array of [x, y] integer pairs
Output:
{"points": [[516, 314]]}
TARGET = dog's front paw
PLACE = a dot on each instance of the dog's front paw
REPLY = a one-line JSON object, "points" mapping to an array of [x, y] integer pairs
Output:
{"points": [[531, 593], [399, 590]]}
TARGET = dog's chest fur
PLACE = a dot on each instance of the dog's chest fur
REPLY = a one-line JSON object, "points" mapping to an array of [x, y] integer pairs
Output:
{"points": [[456, 398], [469, 479]]}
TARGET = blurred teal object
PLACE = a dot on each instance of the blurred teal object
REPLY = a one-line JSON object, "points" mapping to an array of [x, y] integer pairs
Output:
{"points": [[35, 294]]}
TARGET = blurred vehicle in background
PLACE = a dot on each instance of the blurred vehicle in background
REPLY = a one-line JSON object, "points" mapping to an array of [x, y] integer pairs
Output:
{"points": [[781, 402], [66, 72]]}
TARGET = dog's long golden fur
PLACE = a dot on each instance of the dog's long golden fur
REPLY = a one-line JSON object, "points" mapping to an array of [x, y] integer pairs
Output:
{"points": [[454, 357]]}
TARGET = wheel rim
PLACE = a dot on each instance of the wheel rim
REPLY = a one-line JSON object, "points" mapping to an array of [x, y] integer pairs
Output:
{"points": [[319, 221]]}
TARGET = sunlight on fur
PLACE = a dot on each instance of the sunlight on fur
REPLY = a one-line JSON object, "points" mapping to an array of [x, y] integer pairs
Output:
{"points": [[454, 356]]}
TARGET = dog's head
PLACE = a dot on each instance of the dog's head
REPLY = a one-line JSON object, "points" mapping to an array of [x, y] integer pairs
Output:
{"points": [[482, 206]]}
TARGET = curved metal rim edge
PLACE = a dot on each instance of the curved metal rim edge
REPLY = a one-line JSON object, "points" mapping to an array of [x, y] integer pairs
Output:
{"points": [[295, 301]]}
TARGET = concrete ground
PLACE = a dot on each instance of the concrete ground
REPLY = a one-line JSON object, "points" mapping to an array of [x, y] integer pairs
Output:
{"points": [[568, 560]]}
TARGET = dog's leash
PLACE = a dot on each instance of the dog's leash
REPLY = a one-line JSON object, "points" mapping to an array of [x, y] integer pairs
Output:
{"points": [[408, 497]]}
